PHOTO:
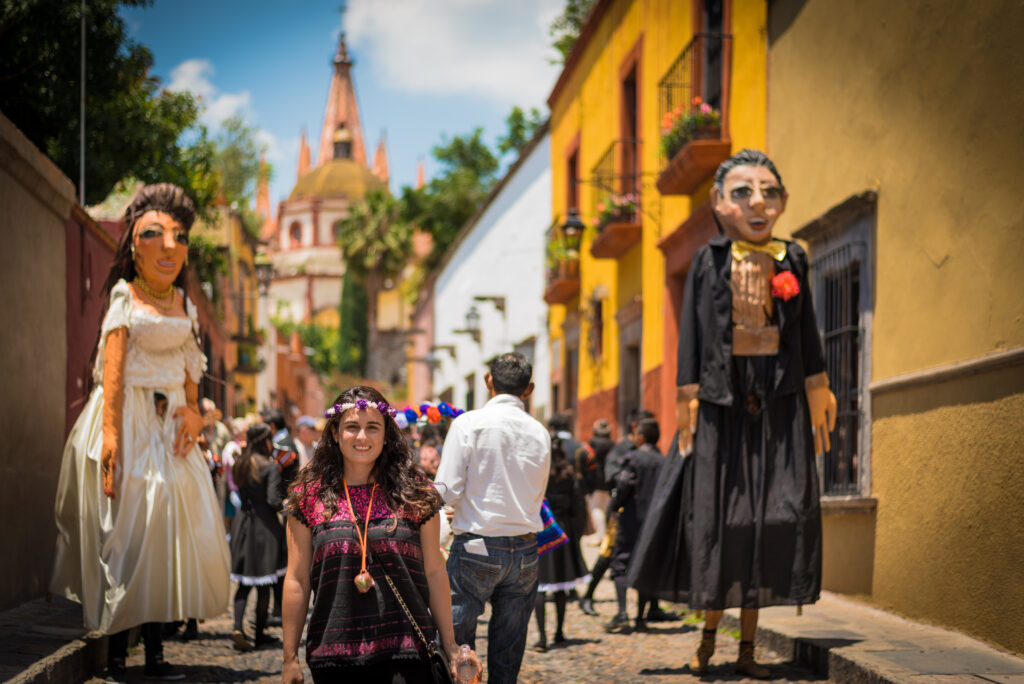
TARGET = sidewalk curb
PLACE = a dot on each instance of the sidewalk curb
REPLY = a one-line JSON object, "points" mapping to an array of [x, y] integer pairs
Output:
{"points": [[75, 661]]}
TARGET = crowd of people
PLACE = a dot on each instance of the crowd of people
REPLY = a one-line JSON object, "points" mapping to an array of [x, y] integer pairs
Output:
{"points": [[400, 532]]}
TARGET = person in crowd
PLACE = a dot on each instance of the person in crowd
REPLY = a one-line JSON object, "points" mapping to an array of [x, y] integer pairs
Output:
{"points": [[232, 450], [216, 432], [430, 456], [579, 454], [363, 537], [140, 540], [612, 466], [257, 536], [493, 472], [634, 486], [597, 501], [286, 455], [736, 522], [306, 426], [562, 567]]}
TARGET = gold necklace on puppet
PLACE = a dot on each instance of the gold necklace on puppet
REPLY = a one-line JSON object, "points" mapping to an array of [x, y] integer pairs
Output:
{"points": [[157, 299]]}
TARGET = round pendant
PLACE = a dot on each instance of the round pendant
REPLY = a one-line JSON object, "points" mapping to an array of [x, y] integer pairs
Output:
{"points": [[364, 582]]}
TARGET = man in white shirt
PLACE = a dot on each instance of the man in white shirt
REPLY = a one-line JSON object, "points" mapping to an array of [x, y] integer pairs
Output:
{"points": [[494, 470]]}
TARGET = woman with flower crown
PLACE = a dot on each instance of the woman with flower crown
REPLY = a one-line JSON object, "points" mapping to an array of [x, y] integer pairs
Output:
{"points": [[363, 532], [735, 521], [140, 540]]}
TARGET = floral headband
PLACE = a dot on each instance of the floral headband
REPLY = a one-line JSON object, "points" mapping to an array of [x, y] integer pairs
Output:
{"points": [[362, 405]]}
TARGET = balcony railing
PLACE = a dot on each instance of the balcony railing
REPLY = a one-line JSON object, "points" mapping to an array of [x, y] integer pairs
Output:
{"points": [[616, 199], [692, 109], [563, 265]]}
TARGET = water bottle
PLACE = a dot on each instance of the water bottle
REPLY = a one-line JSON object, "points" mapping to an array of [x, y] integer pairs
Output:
{"points": [[466, 669]]}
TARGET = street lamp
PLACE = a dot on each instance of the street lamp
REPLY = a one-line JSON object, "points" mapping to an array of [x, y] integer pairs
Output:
{"points": [[264, 272], [572, 231], [472, 325]]}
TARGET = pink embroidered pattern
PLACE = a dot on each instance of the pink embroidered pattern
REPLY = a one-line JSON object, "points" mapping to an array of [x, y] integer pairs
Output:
{"points": [[315, 512], [361, 648]]}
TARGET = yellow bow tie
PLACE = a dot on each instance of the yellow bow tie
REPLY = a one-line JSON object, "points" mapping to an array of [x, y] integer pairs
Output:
{"points": [[776, 249]]}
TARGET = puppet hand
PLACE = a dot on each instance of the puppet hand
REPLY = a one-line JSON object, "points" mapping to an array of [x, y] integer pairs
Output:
{"points": [[108, 461], [686, 419], [188, 430], [822, 406]]}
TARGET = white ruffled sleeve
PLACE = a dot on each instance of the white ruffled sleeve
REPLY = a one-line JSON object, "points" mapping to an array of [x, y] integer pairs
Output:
{"points": [[117, 316], [195, 359]]}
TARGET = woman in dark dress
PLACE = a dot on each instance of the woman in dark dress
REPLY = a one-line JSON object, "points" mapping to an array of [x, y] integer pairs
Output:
{"points": [[736, 522], [560, 569], [257, 535]]}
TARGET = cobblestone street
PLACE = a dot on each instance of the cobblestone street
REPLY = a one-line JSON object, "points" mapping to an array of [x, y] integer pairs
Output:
{"points": [[589, 655]]}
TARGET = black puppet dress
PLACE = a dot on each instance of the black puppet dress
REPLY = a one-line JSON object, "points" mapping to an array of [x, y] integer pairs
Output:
{"points": [[738, 522]]}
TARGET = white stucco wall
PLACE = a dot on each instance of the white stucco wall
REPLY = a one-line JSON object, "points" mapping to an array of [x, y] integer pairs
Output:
{"points": [[503, 255]]}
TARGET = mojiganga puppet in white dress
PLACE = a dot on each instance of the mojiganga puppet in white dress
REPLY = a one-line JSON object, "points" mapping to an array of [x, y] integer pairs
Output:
{"points": [[139, 533]]}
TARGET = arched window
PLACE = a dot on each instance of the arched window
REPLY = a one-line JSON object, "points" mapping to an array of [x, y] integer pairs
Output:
{"points": [[295, 235]]}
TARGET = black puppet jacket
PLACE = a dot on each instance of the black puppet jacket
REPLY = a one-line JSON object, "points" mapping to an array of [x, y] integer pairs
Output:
{"points": [[705, 327]]}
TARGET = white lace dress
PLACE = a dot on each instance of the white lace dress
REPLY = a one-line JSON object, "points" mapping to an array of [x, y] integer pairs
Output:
{"points": [[156, 552]]}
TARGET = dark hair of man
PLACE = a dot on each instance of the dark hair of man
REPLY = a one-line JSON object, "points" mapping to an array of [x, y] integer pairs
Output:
{"points": [[274, 418], [648, 429], [559, 422], [745, 157], [254, 456], [510, 374], [636, 415], [402, 481]]}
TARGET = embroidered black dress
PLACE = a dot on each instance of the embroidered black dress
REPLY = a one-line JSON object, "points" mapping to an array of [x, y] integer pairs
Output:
{"points": [[562, 567], [738, 523], [349, 630]]}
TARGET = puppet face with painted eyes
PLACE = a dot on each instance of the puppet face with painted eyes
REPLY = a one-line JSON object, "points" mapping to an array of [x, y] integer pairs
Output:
{"points": [[161, 247], [748, 203]]}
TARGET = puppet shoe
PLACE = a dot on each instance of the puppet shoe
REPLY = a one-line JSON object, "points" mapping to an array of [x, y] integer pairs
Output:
{"points": [[706, 649], [745, 664]]}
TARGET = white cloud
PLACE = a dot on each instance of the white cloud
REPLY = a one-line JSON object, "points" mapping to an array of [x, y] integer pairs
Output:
{"points": [[494, 48], [194, 76]]}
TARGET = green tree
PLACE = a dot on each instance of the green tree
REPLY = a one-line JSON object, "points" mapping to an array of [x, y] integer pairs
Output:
{"points": [[376, 243], [237, 164], [133, 128], [566, 27], [448, 201], [353, 317], [520, 129]]}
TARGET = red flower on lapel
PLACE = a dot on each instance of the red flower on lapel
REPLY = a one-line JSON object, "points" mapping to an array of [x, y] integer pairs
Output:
{"points": [[785, 286]]}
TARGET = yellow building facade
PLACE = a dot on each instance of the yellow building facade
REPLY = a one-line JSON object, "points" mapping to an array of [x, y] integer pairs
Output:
{"points": [[614, 298], [896, 127]]}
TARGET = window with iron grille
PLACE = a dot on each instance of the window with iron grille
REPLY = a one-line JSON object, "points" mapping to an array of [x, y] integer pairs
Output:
{"points": [[840, 245]]}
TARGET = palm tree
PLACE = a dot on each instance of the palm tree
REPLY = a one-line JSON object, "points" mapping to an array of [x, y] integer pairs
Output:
{"points": [[376, 244]]}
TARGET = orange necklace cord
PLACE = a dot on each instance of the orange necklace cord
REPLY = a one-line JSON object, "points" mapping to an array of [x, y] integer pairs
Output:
{"points": [[364, 537]]}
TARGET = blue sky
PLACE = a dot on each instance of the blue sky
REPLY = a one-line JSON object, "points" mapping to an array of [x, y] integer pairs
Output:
{"points": [[424, 68]]}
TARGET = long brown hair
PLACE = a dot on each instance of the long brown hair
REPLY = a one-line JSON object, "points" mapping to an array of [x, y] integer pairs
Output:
{"points": [[561, 467], [254, 456], [404, 483]]}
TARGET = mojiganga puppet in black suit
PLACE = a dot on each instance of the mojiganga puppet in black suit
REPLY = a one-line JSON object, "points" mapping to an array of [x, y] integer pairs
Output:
{"points": [[736, 521]]}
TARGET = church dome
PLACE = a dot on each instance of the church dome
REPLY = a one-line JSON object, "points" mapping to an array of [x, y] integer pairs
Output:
{"points": [[337, 178]]}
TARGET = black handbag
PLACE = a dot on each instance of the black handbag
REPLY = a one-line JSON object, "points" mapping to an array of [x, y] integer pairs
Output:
{"points": [[439, 670]]}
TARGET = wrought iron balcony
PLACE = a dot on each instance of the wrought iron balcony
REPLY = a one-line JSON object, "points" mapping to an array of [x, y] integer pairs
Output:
{"points": [[693, 100], [616, 200]]}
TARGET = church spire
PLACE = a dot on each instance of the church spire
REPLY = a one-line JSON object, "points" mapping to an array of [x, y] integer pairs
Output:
{"points": [[380, 159], [341, 118], [421, 174], [263, 190], [303, 156]]}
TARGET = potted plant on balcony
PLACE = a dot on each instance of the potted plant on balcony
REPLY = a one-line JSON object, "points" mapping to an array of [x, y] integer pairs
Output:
{"points": [[562, 260], [679, 127], [616, 209]]}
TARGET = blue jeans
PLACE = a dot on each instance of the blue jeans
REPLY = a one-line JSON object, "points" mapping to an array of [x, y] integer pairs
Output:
{"points": [[507, 577]]}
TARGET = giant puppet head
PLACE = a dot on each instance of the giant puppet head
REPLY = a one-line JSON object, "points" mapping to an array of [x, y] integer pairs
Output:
{"points": [[748, 196]]}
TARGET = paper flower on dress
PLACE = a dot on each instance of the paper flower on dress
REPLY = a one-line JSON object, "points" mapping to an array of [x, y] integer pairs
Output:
{"points": [[785, 286]]}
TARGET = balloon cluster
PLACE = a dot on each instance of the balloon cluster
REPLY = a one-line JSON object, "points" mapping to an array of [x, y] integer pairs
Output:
{"points": [[426, 413]]}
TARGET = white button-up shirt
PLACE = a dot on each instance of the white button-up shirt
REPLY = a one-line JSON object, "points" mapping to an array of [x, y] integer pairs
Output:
{"points": [[494, 469]]}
